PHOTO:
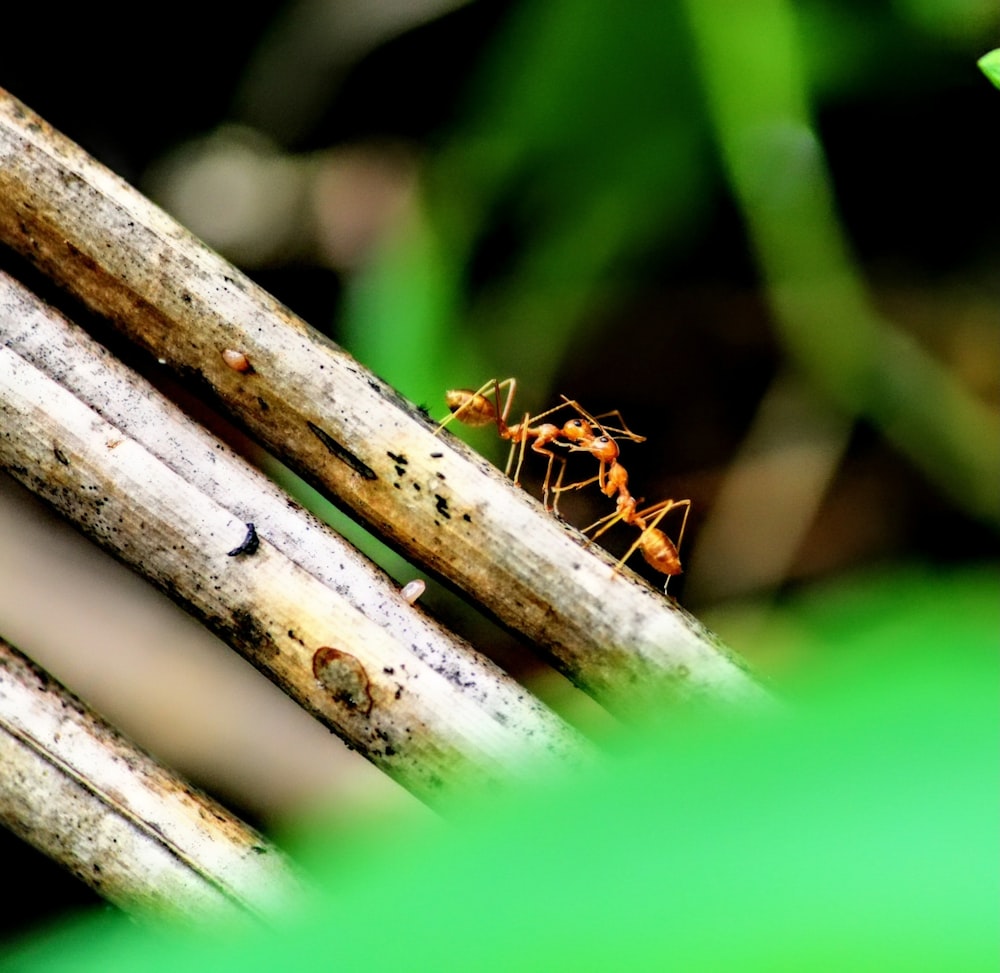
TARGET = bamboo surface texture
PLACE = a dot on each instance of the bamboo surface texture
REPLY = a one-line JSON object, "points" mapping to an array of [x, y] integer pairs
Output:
{"points": [[149, 485], [347, 433], [128, 827]]}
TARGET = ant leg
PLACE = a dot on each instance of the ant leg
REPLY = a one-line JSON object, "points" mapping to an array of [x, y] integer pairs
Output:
{"points": [[522, 438], [511, 385], [548, 477], [663, 507], [557, 489], [624, 512], [555, 408], [602, 478], [680, 534], [621, 431], [608, 520], [686, 504], [543, 436], [510, 459], [579, 485], [616, 432]]}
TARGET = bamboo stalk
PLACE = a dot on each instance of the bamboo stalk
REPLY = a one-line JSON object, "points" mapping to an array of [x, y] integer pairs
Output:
{"points": [[297, 602], [132, 830], [346, 432]]}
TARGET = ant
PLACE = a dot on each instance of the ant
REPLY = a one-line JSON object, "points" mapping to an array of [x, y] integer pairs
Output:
{"points": [[657, 548], [659, 551], [475, 409]]}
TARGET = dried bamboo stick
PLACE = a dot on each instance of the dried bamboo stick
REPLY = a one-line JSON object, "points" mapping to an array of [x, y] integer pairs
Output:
{"points": [[346, 432], [297, 602], [76, 790]]}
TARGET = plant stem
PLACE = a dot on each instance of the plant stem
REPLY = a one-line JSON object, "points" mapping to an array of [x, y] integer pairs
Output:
{"points": [[347, 433], [73, 788], [150, 486]]}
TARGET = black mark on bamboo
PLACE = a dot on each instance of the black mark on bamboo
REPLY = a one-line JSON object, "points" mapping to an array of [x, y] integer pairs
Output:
{"points": [[250, 543], [342, 453], [401, 462]]}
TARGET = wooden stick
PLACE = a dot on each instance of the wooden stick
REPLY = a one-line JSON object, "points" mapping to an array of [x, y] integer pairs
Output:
{"points": [[73, 788], [133, 473], [346, 432]]}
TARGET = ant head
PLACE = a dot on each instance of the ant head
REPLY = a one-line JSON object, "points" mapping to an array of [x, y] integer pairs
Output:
{"points": [[578, 429], [605, 449]]}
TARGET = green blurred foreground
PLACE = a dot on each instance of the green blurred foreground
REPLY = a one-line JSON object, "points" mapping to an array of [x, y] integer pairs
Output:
{"points": [[856, 831]]}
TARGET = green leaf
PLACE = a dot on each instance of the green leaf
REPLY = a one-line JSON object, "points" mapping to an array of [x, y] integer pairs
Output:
{"points": [[989, 64], [855, 830]]}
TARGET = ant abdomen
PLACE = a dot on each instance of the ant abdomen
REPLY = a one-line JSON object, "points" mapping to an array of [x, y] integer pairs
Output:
{"points": [[660, 552], [472, 408]]}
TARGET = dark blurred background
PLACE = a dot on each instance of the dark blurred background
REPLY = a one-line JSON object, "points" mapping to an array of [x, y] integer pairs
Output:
{"points": [[455, 191]]}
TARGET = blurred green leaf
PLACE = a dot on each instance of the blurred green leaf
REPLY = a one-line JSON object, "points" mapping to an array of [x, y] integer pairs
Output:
{"points": [[401, 315], [989, 64], [754, 77], [960, 20], [856, 830], [579, 148]]}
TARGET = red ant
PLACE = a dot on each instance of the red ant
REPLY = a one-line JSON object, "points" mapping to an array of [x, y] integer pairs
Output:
{"points": [[659, 550], [475, 409]]}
